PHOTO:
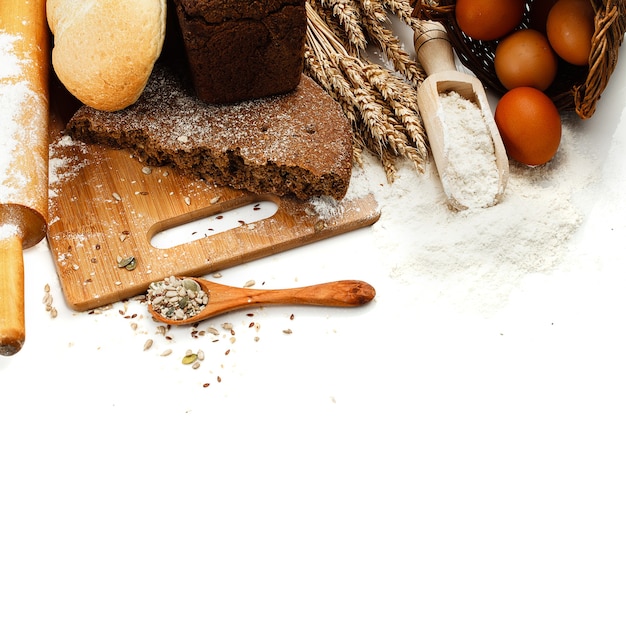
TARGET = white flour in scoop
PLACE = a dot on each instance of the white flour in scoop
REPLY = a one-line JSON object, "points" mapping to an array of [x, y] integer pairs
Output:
{"points": [[470, 178]]}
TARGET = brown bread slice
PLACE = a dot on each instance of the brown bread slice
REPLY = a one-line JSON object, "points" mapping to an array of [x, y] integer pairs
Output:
{"points": [[298, 143]]}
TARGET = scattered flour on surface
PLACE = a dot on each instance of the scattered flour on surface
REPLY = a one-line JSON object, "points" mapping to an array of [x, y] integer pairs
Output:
{"points": [[63, 165], [326, 207], [474, 259]]}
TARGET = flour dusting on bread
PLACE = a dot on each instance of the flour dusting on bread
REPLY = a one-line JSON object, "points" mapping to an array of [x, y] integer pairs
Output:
{"points": [[297, 143]]}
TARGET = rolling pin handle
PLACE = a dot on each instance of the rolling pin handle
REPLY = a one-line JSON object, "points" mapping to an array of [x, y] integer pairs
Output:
{"points": [[12, 325]]}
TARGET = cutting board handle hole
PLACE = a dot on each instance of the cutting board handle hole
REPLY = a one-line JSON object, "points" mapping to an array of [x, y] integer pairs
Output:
{"points": [[206, 222]]}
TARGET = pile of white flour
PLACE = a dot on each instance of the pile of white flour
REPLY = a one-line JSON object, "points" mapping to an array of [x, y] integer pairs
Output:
{"points": [[474, 259]]}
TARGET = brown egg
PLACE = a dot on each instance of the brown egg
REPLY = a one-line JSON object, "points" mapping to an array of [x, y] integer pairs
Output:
{"points": [[525, 59], [570, 28], [529, 124], [488, 19]]}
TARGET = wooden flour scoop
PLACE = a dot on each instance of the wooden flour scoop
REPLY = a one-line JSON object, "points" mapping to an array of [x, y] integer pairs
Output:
{"points": [[24, 173], [436, 56]]}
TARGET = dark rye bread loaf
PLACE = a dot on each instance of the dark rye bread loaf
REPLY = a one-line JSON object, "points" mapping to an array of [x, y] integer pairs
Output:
{"points": [[243, 49], [298, 143]]}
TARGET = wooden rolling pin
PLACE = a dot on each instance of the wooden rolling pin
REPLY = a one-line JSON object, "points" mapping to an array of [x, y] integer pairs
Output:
{"points": [[24, 67]]}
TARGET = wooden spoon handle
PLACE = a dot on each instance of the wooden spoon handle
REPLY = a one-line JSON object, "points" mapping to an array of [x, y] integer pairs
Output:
{"points": [[12, 326], [340, 293], [433, 48]]}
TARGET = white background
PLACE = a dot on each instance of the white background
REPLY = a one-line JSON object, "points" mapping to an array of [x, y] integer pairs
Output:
{"points": [[415, 461]]}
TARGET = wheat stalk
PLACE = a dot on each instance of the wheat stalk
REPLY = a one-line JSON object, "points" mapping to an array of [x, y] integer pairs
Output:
{"points": [[380, 102]]}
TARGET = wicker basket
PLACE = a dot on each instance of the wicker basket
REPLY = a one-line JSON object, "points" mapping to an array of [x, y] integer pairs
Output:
{"points": [[575, 88]]}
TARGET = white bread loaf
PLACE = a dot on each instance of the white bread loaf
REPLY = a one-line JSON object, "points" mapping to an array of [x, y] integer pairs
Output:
{"points": [[104, 50]]}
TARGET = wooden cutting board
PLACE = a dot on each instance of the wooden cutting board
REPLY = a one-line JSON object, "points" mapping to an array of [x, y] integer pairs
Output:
{"points": [[105, 206]]}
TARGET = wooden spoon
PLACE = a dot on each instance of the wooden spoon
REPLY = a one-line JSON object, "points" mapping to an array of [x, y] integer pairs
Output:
{"points": [[436, 56], [224, 298]]}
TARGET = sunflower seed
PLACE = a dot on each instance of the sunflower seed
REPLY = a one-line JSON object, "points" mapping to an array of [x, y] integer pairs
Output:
{"points": [[176, 298]]}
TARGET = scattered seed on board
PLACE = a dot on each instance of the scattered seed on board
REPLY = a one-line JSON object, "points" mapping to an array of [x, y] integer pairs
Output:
{"points": [[129, 263], [177, 298], [166, 352], [148, 344]]}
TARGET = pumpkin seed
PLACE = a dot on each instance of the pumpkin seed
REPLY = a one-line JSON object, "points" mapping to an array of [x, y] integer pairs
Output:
{"points": [[191, 284], [129, 262]]}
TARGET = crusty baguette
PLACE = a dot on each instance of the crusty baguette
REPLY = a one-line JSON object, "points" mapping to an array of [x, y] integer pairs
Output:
{"points": [[104, 50]]}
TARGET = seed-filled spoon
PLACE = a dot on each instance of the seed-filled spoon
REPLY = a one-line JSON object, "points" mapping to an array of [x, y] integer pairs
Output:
{"points": [[184, 300]]}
